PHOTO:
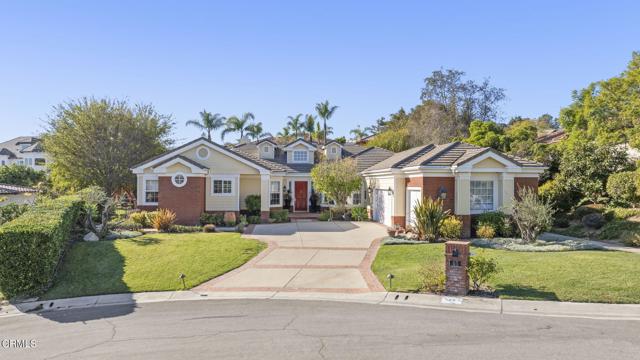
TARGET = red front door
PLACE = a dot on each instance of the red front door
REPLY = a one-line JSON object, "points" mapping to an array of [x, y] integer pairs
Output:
{"points": [[301, 196]]}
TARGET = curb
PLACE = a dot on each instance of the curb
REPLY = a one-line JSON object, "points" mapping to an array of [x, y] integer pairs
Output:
{"points": [[595, 311]]}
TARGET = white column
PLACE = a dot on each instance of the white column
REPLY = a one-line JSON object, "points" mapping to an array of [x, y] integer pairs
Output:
{"points": [[265, 189], [463, 194], [399, 195], [507, 193]]}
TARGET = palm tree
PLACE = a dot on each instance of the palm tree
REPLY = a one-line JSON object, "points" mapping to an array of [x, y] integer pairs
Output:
{"points": [[208, 122], [309, 125], [236, 124], [358, 133], [255, 131], [295, 124], [321, 134], [325, 112]]}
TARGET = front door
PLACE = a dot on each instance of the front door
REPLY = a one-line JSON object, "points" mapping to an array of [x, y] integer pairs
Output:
{"points": [[301, 196], [413, 196]]}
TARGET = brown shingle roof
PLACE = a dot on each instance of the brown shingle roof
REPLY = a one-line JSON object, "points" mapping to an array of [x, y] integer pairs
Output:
{"points": [[8, 189]]}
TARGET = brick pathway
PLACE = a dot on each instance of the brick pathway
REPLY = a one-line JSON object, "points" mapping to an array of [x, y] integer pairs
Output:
{"points": [[308, 256]]}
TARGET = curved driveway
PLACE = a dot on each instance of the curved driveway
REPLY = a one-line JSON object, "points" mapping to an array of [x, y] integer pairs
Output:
{"points": [[308, 256]]}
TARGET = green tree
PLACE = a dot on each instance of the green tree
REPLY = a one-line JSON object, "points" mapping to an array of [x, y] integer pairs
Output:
{"points": [[208, 122], [295, 124], [255, 131], [393, 140], [21, 175], [309, 125], [487, 134], [238, 124], [521, 138], [336, 179], [325, 112], [607, 111], [97, 141], [358, 133]]}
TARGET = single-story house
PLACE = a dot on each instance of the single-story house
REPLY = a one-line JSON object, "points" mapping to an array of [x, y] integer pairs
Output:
{"points": [[203, 176], [469, 179], [16, 194]]}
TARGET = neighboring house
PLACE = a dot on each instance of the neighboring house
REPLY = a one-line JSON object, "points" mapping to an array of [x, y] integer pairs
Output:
{"points": [[15, 194], [23, 150], [551, 136], [469, 179]]}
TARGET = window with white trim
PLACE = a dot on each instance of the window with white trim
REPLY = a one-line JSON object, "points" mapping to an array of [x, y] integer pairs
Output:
{"points": [[265, 148], [151, 191], [481, 195], [334, 150], [355, 198], [179, 180], [275, 193], [300, 156], [222, 186]]}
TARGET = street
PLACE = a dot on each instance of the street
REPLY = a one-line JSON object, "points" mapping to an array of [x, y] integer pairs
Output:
{"points": [[278, 329]]}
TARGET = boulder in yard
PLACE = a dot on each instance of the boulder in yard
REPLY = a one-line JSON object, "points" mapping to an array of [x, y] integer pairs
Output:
{"points": [[91, 237]]}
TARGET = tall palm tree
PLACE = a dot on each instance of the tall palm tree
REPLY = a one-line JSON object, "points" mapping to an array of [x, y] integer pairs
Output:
{"points": [[358, 133], [295, 124], [321, 133], [208, 122], [325, 111], [238, 124], [284, 133], [255, 131], [309, 125]]}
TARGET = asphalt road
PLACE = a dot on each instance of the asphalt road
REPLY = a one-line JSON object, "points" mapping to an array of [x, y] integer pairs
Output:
{"points": [[278, 329]]}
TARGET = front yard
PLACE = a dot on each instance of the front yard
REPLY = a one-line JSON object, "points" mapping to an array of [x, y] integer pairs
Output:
{"points": [[582, 276], [151, 262]]}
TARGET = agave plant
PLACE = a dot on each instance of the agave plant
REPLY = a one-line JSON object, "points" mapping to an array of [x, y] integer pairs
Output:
{"points": [[428, 218]]}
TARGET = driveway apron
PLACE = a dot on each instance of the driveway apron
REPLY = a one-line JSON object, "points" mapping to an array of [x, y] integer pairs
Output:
{"points": [[308, 256]]}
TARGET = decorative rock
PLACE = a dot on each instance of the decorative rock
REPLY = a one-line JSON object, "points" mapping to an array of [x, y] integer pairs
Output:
{"points": [[91, 237], [594, 220]]}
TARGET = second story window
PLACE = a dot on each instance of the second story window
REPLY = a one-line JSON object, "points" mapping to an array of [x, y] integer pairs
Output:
{"points": [[300, 156]]}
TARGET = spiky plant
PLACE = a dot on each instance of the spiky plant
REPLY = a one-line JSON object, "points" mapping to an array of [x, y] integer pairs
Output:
{"points": [[428, 218]]}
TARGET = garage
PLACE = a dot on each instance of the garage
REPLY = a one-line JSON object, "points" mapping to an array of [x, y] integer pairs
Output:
{"points": [[382, 206]]}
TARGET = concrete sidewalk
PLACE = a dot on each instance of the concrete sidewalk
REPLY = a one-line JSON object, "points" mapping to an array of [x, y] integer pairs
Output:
{"points": [[428, 301]]}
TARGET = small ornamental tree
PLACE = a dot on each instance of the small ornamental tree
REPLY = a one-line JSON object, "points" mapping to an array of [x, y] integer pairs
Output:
{"points": [[531, 214], [336, 179]]}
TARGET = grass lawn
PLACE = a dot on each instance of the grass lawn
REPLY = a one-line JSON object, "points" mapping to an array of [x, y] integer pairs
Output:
{"points": [[151, 262], [583, 276]]}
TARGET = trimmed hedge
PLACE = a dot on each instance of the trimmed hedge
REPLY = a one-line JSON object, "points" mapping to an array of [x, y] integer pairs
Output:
{"points": [[32, 245]]}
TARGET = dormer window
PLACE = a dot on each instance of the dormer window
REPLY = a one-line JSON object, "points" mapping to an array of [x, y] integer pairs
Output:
{"points": [[300, 156], [265, 149], [334, 150]]}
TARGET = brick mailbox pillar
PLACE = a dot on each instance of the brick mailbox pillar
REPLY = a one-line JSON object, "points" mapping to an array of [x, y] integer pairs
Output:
{"points": [[457, 259]]}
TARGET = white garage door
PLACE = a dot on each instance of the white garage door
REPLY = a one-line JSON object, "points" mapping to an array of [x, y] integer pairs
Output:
{"points": [[382, 206]]}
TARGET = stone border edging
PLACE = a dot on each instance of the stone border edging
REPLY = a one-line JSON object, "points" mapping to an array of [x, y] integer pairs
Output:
{"points": [[596, 311]]}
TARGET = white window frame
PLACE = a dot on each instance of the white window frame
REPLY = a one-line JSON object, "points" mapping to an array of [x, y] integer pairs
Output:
{"points": [[334, 150], [306, 156], [173, 179], [359, 198], [232, 179], [144, 189], [203, 157], [272, 192], [494, 205]]}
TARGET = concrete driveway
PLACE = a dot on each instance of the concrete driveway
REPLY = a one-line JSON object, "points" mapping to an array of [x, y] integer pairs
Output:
{"points": [[308, 256]]}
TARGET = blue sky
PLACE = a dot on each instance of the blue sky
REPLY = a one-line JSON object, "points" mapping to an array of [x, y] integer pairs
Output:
{"points": [[280, 58]]}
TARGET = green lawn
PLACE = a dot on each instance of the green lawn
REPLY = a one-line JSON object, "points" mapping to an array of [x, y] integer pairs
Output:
{"points": [[584, 276], [150, 263]]}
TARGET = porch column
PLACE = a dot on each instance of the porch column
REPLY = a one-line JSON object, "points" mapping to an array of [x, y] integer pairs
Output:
{"points": [[399, 201], [463, 202], [506, 194], [265, 196]]}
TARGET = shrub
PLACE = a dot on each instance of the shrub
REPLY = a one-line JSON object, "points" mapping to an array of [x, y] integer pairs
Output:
{"points": [[486, 231], [184, 229], [432, 277], [32, 245], [140, 218], [531, 214], [151, 215], [279, 216], [561, 221], [451, 228], [253, 204], [127, 224], [324, 216], [497, 220], [594, 221], [622, 188], [429, 216], [559, 195], [631, 238], [616, 229], [359, 213], [209, 228], [215, 219], [584, 210], [481, 269], [254, 219], [163, 220], [12, 211], [625, 213]]}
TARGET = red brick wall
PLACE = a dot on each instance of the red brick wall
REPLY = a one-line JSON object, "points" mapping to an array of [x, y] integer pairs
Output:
{"points": [[432, 185], [188, 202], [521, 182], [466, 226]]}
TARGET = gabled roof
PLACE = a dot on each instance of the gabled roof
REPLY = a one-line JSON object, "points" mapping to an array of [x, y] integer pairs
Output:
{"points": [[301, 140], [269, 140], [444, 155], [8, 189], [350, 149], [333, 142], [370, 156], [6, 152], [182, 158], [16, 146]]}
